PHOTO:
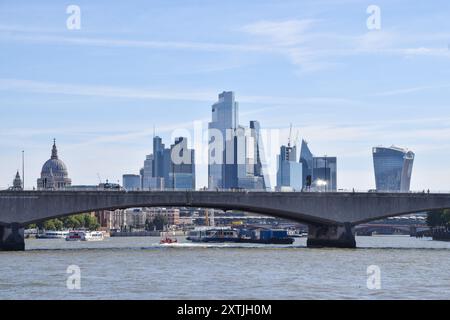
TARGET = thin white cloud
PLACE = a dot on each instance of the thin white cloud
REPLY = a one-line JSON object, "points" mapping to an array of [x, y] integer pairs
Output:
{"points": [[281, 33], [410, 90], [108, 42], [294, 39], [21, 85]]}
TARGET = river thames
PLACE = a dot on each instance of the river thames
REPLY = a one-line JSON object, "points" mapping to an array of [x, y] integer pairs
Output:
{"points": [[140, 268]]}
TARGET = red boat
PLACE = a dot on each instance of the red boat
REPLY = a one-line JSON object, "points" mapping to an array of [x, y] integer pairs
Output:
{"points": [[168, 240]]}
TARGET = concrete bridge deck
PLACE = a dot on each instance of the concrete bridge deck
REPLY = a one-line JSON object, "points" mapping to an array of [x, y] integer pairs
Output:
{"points": [[331, 216]]}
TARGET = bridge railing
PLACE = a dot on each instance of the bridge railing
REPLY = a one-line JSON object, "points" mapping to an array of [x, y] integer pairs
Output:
{"points": [[425, 191]]}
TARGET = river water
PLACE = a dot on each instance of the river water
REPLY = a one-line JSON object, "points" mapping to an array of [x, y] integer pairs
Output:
{"points": [[140, 268]]}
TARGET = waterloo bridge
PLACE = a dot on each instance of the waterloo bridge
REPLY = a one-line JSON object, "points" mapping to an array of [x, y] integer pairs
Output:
{"points": [[330, 216]]}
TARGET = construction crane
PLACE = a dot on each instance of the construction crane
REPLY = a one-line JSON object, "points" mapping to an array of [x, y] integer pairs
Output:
{"points": [[290, 135], [296, 138]]}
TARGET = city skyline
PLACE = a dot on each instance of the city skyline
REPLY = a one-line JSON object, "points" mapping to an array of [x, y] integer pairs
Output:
{"points": [[241, 152], [313, 64]]}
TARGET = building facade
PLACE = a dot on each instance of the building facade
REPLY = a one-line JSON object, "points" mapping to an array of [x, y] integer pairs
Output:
{"points": [[393, 168]]}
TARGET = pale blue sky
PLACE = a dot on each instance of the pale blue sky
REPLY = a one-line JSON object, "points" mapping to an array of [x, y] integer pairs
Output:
{"points": [[100, 90]]}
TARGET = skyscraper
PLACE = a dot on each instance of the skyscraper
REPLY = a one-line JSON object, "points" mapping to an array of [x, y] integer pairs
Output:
{"points": [[169, 168], [260, 160], [235, 151], [306, 159], [182, 170], [222, 169], [325, 173], [393, 168], [289, 174], [319, 172]]}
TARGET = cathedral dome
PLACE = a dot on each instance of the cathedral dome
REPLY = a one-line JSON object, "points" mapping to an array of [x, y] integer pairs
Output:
{"points": [[54, 173], [54, 166]]}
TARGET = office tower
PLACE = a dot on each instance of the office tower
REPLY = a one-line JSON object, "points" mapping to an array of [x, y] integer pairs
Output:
{"points": [[259, 171], [289, 174], [169, 168], [306, 159], [222, 169], [182, 170], [235, 151], [158, 158], [319, 173], [325, 173], [393, 168], [131, 182]]}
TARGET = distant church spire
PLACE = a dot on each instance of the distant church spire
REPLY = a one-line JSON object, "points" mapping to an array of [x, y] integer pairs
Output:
{"points": [[17, 184], [54, 150]]}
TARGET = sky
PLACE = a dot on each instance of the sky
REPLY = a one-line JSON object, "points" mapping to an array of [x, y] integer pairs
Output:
{"points": [[133, 67]]}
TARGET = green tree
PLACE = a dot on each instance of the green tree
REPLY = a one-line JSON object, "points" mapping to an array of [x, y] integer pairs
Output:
{"points": [[71, 223], [58, 224], [91, 222], [49, 225], [446, 217], [438, 218]]}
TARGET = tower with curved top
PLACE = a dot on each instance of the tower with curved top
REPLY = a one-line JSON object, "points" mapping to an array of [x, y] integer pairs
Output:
{"points": [[393, 168]]}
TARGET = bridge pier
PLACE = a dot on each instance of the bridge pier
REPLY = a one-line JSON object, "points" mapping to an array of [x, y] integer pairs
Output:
{"points": [[12, 237], [333, 236]]}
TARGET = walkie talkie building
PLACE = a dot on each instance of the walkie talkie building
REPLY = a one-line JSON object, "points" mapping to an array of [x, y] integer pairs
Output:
{"points": [[393, 168]]}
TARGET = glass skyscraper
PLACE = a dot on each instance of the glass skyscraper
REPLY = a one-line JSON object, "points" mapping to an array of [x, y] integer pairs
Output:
{"points": [[235, 151], [393, 168], [321, 172], [289, 174], [222, 169], [325, 169], [306, 159], [169, 168], [182, 171]]}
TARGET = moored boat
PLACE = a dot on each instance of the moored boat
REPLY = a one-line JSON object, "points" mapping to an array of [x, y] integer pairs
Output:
{"points": [[53, 234], [80, 235]]}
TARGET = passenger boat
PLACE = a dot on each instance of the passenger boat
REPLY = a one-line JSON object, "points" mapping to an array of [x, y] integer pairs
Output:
{"points": [[213, 234], [227, 234], [53, 234], [77, 235]]}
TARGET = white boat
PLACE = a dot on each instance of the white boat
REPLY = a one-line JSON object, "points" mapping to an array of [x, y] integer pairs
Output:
{"points": [[53, 234], [79, 235]]}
